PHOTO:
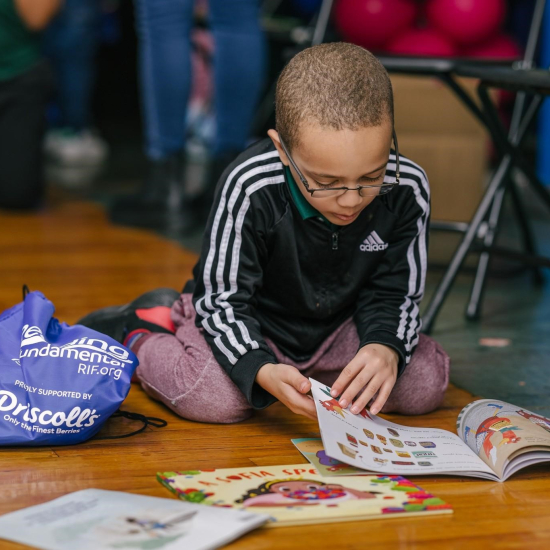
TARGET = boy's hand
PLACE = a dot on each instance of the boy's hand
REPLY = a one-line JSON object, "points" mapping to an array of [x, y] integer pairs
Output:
{"points": [[374, 368], [289, 386]]}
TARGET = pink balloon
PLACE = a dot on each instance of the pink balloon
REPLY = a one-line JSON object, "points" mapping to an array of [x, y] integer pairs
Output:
{"points": [[498, 47], [466, 21], [422, 42], [371, 23]]}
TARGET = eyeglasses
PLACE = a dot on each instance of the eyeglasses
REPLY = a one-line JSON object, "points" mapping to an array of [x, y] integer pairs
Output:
{"points": [[363, 190]]}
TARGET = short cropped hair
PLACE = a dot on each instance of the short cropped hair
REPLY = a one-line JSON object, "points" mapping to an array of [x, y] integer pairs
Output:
{"points": [[336, 85]]}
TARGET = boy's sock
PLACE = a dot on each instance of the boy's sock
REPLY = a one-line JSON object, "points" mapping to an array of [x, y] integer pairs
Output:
{"points": [[134, 341], [131, 340]]}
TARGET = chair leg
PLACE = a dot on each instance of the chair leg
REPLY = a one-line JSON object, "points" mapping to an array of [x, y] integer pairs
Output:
{"points": [[535, 183], [473, 309], [463, 249], [527, 235]]}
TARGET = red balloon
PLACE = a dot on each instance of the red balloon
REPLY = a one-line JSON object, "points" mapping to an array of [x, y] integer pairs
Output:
{"points": [[422, 42], [466, 21], [499, 47], [371, 23]]}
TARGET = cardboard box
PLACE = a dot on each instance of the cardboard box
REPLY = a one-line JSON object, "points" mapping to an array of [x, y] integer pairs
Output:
{"points": [[456, 165], [437, 131], [425, 104]]}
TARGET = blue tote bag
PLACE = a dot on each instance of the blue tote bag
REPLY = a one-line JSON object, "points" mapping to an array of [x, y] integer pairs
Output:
{"points": [[58, 383]]}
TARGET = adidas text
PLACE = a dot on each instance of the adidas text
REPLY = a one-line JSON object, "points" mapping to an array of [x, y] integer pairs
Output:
{"points": [[373, 243]]}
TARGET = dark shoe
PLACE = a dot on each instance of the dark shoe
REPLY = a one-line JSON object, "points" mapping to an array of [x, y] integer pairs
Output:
{"points": [[150, 311], [157, 205]]}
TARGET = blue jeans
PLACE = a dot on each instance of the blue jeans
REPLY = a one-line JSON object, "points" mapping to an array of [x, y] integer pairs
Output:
{"points": [[164, 28], [71, 42]]}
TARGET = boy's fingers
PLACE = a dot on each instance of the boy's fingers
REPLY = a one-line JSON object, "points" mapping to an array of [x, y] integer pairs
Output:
{"points": [[346, 377], [297, 380], [301, 404], [361, 402], [309, 410], [383, 395], [361, 380]]}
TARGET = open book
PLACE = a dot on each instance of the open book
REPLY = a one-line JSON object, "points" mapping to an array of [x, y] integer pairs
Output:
{"points": [[495, 440]]}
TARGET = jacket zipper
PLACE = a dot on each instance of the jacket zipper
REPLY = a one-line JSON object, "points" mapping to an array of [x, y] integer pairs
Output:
{"points": [[335, 241]]}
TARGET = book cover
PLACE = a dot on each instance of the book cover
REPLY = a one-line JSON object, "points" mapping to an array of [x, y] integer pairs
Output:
{"points": [[297, 494]]}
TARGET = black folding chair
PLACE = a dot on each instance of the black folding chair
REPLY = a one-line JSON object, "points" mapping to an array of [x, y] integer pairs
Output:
{"points": [[479, 234]]}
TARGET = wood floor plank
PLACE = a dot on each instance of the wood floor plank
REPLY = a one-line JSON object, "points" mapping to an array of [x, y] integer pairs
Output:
{"points": [[81, 262]]}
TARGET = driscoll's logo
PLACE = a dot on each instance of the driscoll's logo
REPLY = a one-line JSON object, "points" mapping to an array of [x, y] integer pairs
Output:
{"points": [[72, 419]]}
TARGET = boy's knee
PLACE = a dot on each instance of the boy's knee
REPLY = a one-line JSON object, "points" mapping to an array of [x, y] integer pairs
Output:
{"points": [[213, 407], [215, 412], [421, 389], [425, 400], [428, 401]]}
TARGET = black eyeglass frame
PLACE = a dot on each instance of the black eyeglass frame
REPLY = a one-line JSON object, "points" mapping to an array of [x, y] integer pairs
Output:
{"points": [[386, 186]]}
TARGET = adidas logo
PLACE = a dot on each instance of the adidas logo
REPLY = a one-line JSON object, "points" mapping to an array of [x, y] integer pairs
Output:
{"points": [[373, 243]]}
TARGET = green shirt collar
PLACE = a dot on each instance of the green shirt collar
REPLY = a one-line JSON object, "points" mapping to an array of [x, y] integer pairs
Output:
{"points": [[304, 208]]}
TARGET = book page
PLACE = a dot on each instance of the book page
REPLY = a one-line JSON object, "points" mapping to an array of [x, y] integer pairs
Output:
{"points": [[374, 444], [495, 430]]}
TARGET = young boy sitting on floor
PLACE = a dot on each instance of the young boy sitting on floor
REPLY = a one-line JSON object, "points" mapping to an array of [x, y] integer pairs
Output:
{"points": [[313, 264]]}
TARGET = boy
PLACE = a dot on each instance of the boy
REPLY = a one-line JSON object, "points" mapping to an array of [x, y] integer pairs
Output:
{"points": [[313, 264]]}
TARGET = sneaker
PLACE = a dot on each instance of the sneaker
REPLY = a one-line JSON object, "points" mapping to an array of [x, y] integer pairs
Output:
{"points": [[70, 148], [150, 312]]}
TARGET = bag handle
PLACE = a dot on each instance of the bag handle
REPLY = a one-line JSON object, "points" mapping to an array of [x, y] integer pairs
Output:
{"points": [[147, 421], [25, 291]]}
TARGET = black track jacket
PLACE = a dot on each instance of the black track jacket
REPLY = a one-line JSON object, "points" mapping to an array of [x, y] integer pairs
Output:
{"points": [[264, 270]]}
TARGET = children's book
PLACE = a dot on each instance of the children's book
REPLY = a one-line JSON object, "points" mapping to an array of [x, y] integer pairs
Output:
{"points": [[297, 494], [94, 519], [495, 440]]}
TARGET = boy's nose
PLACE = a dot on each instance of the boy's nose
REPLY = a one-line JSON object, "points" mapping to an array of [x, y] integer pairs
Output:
{"points": [[350, 199]]}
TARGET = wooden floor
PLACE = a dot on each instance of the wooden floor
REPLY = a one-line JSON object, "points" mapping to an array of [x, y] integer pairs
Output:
{"points": [[81, 263]]}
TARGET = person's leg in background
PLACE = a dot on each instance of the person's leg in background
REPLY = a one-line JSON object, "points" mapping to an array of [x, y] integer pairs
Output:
{"points": [[239, 72], [22, 124], [71, 42], [180, 371], [163, 29], [419, 390]]}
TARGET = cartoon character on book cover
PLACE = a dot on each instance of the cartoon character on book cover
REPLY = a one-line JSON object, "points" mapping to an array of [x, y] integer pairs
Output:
{"points": [[300, 492]]}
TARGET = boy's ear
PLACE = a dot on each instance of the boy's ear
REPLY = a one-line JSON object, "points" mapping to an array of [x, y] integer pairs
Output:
{"points": [[274, 135]]}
